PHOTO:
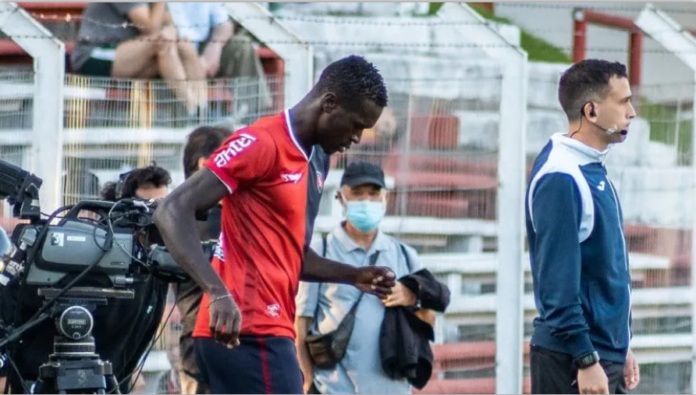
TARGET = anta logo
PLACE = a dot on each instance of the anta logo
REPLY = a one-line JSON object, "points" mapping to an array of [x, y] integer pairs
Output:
{"points": [[291, 177], [273, 310], [238, 144], [601, 186], [320, 181]]}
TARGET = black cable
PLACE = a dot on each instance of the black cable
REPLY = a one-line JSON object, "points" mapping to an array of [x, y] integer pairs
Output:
{"points": [[154, 341], [86, 271], [30, 259], [70, 285], [144, 358], [19, 376]]}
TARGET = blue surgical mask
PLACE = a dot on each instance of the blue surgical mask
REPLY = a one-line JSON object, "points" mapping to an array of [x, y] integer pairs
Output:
{"points": [[365, 215]]}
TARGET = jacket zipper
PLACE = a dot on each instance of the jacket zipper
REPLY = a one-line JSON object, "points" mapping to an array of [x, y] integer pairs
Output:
{"points": [[623, 241]]}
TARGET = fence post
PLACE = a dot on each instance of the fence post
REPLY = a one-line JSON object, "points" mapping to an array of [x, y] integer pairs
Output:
{"points": [[512, 137], [46, 152]]}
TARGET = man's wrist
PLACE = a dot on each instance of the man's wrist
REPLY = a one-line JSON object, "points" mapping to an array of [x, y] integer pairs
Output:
{"points": [[586, 361], [218, 291], [353, 275]]}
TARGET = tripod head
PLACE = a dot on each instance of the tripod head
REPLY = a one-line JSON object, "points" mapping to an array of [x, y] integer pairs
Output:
{"points": [[74, 366]]}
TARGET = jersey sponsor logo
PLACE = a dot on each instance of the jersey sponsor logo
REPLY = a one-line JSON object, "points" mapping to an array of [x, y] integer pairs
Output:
{"points": [[273, 310], [291, 177], [320, 181], [240, 143]]}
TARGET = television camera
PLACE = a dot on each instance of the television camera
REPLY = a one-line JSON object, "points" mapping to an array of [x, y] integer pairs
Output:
{"points": [[64, 266]]}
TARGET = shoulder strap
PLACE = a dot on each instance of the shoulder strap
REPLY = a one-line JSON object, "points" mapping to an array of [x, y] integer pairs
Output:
{"points": [[324, 239], [373, 261], [408, 260]]}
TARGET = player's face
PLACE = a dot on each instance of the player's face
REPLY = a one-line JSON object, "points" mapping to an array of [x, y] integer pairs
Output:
{"points": [[339, 127]]}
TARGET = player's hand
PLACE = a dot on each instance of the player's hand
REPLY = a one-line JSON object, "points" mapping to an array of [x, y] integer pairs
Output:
{"points": [[375, 280], [631, 372], [593, 380], [225, 319], [401, 296]]}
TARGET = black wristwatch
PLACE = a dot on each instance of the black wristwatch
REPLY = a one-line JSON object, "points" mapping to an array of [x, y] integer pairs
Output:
{"points": [[587, 360]]}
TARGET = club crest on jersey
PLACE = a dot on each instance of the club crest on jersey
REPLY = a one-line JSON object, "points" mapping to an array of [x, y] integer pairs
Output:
{"points": [[237, 145], [291, 177], [320, 181], [273, 310]]}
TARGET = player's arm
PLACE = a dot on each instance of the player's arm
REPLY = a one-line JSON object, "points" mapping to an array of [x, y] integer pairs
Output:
{"points": [[176, 219], [556, 211], [375, 280]]}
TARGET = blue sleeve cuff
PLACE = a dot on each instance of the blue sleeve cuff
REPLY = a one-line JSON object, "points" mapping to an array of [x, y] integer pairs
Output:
{"points": [[581, 345]]}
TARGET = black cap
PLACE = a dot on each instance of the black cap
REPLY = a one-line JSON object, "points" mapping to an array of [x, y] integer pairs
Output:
{"points": [[362, 173]]}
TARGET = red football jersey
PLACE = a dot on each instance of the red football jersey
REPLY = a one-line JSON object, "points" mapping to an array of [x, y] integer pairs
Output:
{"points": [[263, 226]]}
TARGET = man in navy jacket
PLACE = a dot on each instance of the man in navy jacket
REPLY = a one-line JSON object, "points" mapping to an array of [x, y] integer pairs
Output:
{"points": [[582, 284]]}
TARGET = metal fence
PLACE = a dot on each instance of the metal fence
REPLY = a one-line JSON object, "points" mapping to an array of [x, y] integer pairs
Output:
{"points": [[16, 111], [439, 142]]}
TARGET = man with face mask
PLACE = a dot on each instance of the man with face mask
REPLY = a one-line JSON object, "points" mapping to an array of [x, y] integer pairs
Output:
{"points": [[322, 306]]}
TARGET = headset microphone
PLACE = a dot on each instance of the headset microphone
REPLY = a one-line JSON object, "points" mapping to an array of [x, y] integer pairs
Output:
{"points": [[611, 131], [608, 131]]}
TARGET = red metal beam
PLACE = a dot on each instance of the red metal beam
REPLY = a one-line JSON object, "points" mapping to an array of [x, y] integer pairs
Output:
{"points": [[635, 52], [52, 6], [607, 20], [579, 37], [582, 17]]}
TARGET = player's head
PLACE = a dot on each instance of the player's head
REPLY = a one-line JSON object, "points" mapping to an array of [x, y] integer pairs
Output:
{"points": [[363, 195], [150, 182], [351, 95], [201, 143], [598, 92]]}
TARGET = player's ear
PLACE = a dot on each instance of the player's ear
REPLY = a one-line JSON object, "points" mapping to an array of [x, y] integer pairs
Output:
{"points": [[329, 102]]}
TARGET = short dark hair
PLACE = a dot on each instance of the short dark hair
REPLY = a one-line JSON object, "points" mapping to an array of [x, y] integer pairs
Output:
{"points": [[201, 143], [130, 182], [354, 80], [586, 81]]}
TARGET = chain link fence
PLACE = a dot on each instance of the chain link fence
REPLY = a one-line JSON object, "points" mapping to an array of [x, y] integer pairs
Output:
{"points": [[16, 112]]}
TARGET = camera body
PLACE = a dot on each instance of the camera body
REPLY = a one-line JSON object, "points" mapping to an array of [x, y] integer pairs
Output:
{"points": [[72, 264], [73, 245], [115, 239]]}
